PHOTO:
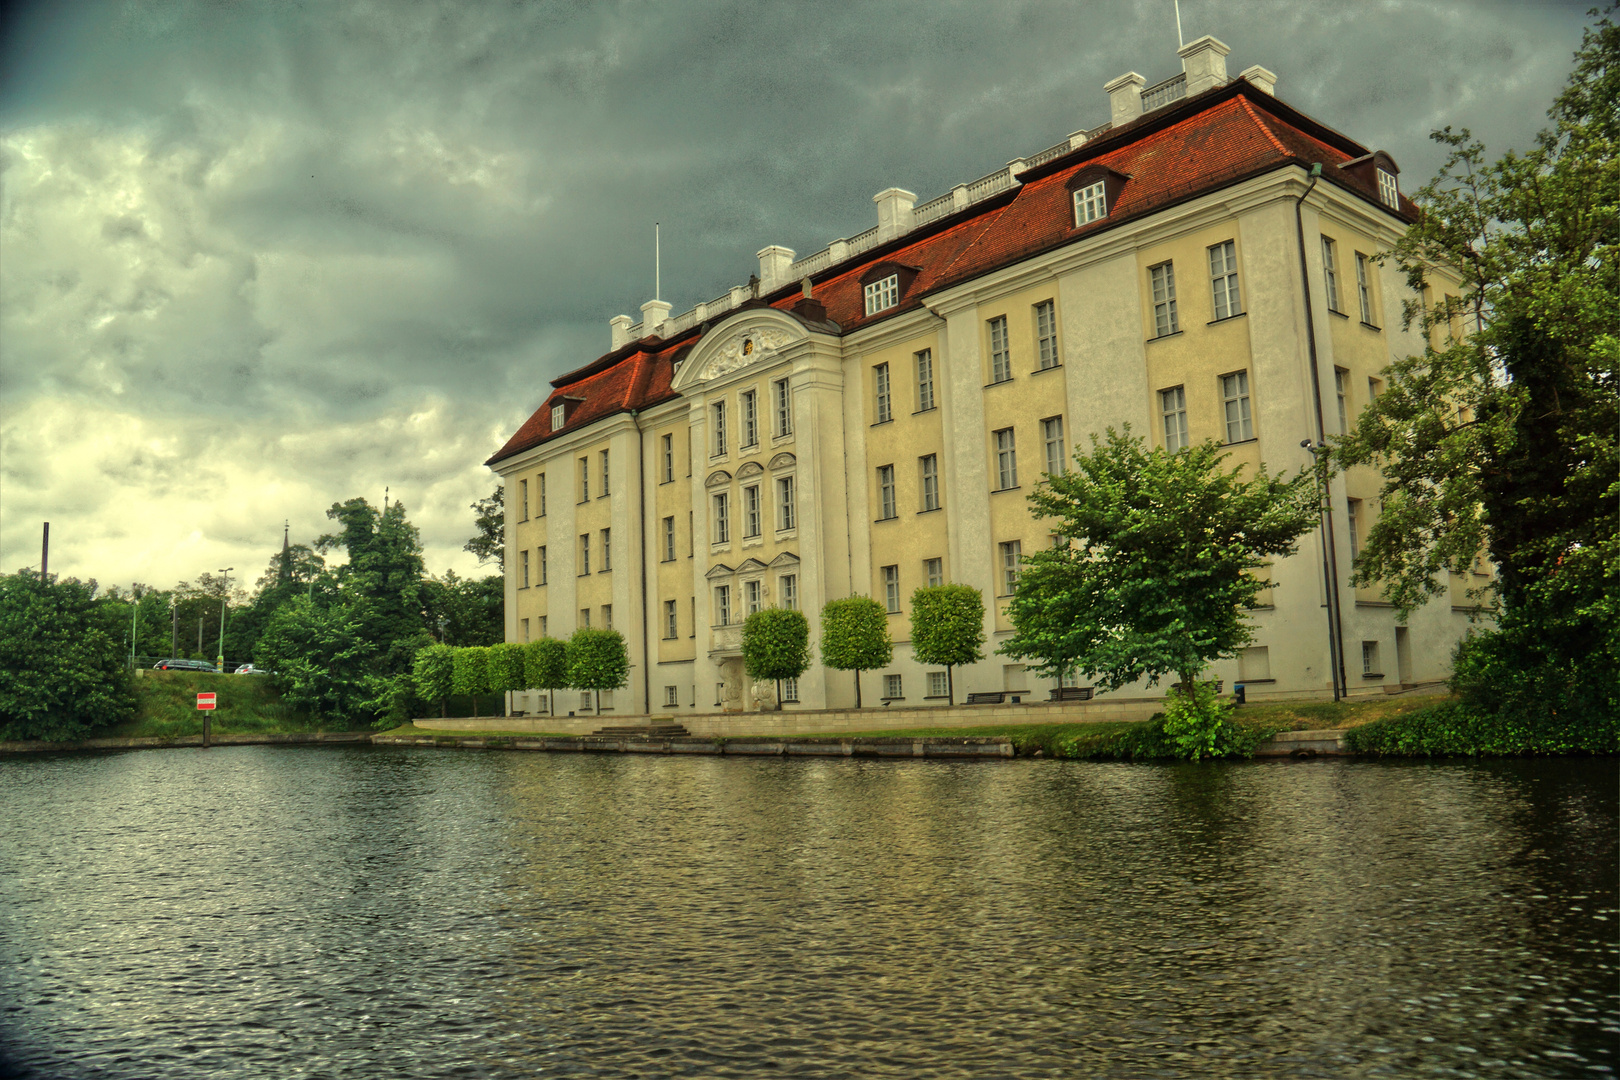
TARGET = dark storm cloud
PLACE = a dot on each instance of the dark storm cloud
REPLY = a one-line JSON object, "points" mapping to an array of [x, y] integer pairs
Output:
{"points": [[359, 238]]}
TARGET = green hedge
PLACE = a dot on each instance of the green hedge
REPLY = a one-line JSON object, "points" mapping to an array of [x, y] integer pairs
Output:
{"points": [[1455, 728]]}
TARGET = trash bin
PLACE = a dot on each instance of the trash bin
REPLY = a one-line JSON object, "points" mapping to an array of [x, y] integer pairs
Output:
{"points": [[1239, 692]]}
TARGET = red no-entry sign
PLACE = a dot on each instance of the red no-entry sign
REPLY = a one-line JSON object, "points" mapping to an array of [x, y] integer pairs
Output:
{"points": [[205, 701]]}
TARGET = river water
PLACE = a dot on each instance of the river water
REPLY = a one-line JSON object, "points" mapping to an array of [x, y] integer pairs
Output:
{"points": [[396, 912]]}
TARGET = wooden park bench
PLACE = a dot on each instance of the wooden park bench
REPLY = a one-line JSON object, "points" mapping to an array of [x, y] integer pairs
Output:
{"points": [[996, 697], [1072, 693]]}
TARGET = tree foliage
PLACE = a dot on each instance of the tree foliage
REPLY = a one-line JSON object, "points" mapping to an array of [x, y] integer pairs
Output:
{"points": [[947, 628], [506, 667], [62, 659], [470, 672], [1158, 572], [855, 637], [598, 660], [545, 667], [434, 673], [489, 542], [776, 645], [1501, 435], [323, 664], [465, 611]]}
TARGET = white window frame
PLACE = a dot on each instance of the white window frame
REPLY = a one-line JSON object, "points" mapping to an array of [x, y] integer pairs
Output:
{"points": [[523, 498], [1223, 279], [891, 589], [1173, 410], [1341, 389], [787, 589], [1052, 437], [672, 695], [751, 514], [672, 620], [1389, 189], [928, 468], [939, 684], [669, 459], [753, 597], [880, 378], [925, 380], [1006, 459], [893, 687], [787, 514], [1236, 407], [669, 539], [784, 407], [750, 418], [886, 500], [934, 572], [541, 553], [1046, 345], [790, 689], [722, 605], [1090, 203], [1000, 356], [559, 416], [883, 294], [1362, 289], [525, 555], [1012, 552], [584, 479], [1369, 659], [717, 413], [542, 479], [584, 554], [1162, 281], [1330, 273], [721, 505], [1352, 519], [606, 475], [607, 550]]}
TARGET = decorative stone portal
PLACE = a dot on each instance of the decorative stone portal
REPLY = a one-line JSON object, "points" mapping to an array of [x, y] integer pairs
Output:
{"points": [[731, 685]]}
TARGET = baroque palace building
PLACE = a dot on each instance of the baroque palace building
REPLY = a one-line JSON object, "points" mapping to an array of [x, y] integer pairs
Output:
{"points": [[870, 418]]}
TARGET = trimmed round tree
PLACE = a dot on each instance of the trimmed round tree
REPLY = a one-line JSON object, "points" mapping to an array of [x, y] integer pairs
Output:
{"points": [[776, 645], [855, 637], [506, 674], [433, 673], [470, 674], [598, 660], [545, 667], [947, 627]]}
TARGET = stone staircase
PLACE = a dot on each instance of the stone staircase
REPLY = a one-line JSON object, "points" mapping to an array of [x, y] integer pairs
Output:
{"points": [[644, 731]]}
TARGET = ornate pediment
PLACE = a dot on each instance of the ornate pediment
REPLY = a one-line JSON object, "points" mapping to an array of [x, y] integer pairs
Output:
{"points": [[784, 460], [787, 558], [749, 468], [719, 570], [744, 347], [718, 478], [751, 566], [751, 336]]}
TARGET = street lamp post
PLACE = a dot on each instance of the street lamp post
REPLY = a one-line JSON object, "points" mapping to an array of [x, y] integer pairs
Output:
{"points": [[224, 598]]}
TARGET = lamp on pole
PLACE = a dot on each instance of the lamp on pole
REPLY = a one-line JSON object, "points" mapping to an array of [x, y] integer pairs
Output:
{"points": [[1326, 522], [224, 598]]}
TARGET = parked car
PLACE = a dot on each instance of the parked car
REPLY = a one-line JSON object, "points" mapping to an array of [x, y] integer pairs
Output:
{"points": [[249, 669], [173, 664]]}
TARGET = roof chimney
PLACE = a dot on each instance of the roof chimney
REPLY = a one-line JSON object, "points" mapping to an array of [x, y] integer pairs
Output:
{"points": [[653, 314], [894, 212], [1204, 61], [620, 326], [774, 263], [1260, 78], [1125, 98]]}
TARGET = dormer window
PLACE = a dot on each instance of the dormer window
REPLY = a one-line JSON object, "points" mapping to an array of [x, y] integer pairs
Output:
{"points": [[559, 413], [883, 294], [1090, 203], [1388, 193]]}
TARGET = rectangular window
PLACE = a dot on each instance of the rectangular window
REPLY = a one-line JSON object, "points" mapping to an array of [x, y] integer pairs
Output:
{"points": [[584, 479], [1011, 552], [1362, 290], [1163, 278], [1369, 658], [1223, 279], [1235, 399], [1374, 388], [525, 629], [1006, 460], [1330, 274], [1052, 437], [789, 591], [604, 473], [541, 559], [750, 419], [934, 572], [672, 621], [719, 413], [885, 478], [1046, 334], [585, 618], [925, 380], [891, 589], [1000, 360], [607, 616], [544, 619], [722, 605], [1389, 193], [584, 554], [1173, 406], [784, 411], [784, 503], [669, 539], [751, 515], [790, 689], [525, 555], [668, 442], [523, 499], [1341, 388], [558, 413], [722, 518], [607, 550], [929, 467], [1353, 520], [939, 684], [752, 597], [672, 695], [880, 375], [891, 686], [882, 295], [1090, 203], [542, 479]]}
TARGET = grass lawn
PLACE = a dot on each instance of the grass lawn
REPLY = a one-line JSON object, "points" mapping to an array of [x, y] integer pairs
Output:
{"points": [[167, 707]]}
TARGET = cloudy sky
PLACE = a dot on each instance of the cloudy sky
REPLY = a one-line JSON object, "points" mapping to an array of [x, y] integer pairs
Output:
{"points": [[256, 258]]}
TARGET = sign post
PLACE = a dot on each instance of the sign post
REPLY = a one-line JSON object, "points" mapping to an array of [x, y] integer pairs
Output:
{"points": [[205, 704]]}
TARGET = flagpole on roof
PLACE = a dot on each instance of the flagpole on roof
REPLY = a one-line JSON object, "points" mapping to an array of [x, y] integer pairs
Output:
{"points": [[1180, 42], [658, 282]]}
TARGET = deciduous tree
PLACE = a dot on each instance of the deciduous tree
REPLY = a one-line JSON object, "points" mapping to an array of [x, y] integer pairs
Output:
{"points": [[470, 672], [434, 674], [545, 667], [947, 627], [776, 645], [506, 668], [489, 542], [855, 637], [62, 659], [598, 660]]}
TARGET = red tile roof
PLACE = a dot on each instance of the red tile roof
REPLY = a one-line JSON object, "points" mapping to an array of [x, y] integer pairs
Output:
{"points": [[1189, 149]]}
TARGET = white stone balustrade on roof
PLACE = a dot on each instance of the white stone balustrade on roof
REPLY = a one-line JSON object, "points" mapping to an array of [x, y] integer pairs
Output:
{"points": [[1161, 94]]}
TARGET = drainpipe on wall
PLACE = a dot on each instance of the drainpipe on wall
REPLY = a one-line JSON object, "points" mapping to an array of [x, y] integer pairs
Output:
{"points": [[1330, 558]]}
